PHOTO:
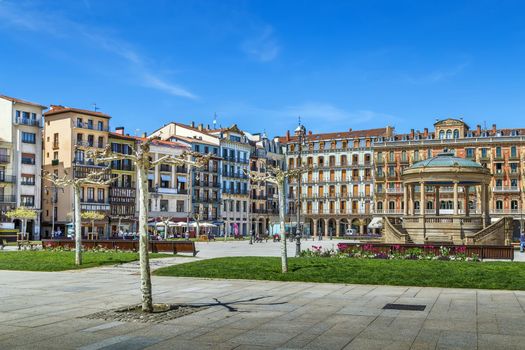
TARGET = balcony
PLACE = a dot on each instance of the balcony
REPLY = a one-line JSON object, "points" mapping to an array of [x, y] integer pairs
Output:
{"points": [[7, 199], [235, 175], [168, 190], [235, 191], [506, 211], [394, 190], [389, 211], [7, 178], [514, 157], [91, 205], [90, 126], [29, 121], [500, 189]]}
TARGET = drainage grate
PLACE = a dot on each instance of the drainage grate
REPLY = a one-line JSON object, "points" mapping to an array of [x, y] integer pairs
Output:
{"points": [[404, 307]]}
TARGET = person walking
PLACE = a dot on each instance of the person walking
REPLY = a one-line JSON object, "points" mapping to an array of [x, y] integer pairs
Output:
{"points": [[522, 241]]}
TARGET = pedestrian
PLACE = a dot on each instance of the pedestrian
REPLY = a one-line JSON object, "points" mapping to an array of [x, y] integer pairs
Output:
{"points": [[252, 236], [522, 241]]}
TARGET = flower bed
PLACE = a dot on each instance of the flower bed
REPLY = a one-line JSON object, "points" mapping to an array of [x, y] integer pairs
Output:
{"points": [[397, 252]]}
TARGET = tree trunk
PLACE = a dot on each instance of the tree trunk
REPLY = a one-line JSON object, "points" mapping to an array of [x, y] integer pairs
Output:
{"points": [[282, 201], [145, 275], [24, 228], [92, 227], [78, 223]]}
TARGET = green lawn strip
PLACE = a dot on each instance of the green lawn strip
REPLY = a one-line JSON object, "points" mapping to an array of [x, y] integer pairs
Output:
{"points": [[61, 260], [451, 274]]}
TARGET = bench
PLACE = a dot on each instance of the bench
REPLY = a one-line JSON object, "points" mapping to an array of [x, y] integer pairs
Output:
{"points": [[259, 238], [26, 244]]}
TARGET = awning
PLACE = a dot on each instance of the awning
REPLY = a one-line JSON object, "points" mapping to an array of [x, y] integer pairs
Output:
{"points": [[181, 179], [376, 222], [165, 177]]}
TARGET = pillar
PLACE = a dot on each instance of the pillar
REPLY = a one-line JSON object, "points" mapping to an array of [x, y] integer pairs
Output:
{"points": [[338, 227], [486, 208], [422, 205], [315, 227], [362, 229], [465, 195], [437, 201], [410, 199], [455, 203], [405, 199], [326, 227]]}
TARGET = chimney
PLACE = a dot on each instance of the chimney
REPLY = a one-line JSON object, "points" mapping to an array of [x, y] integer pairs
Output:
{"points": [[208, 127], [287, 135], [389, 131], [192, 124], [494, 128], [425, 132], [478, 129], [200, 127], [411, 133], [119, 130]]}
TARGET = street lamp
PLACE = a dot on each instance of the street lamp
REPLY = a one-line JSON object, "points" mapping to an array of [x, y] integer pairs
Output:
{"points": [[300, 132]]}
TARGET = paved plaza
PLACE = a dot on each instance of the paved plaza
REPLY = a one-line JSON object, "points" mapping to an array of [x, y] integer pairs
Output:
{"points": [[44, 310]]}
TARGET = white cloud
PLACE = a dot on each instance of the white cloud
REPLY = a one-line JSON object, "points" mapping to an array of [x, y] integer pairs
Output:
{"points": [[28, 18], [263, 46]]}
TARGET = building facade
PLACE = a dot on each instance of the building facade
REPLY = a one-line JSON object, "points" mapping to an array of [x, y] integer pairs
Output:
{"points": [[336, 193], [66, 132], [123, 190], [502, 151], [20, 159]]}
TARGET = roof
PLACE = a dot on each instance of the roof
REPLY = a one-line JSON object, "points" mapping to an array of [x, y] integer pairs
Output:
{"points": [[61, 109], [203, 131], [17, 100], [116, 135], [165, 143], [445, 159], [337, 135]]}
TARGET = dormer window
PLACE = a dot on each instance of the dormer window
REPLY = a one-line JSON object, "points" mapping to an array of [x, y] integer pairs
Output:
{"points": [[416, 137], [469, 134], [514, 133], [484, 134]]}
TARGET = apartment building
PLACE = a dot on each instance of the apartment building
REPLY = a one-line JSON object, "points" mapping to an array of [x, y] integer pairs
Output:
{"points": [[264, 200], [169, 195], [337, 192], [500, 150], [123, 190], [66, 130], [20, 160], [205, 184]]}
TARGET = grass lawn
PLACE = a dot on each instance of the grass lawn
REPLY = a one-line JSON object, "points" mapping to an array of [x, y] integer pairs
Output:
{"points": [[59, 261], [452, 274]]}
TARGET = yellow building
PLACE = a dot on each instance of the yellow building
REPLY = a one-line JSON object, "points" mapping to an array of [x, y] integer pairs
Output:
{"points": [[66, 128]]}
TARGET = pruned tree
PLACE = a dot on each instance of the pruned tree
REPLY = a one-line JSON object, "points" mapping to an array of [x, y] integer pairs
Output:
{"points": [[278, 177], [166, 220], [76, 184], [92, 216], [140, 156], [23, 214]]}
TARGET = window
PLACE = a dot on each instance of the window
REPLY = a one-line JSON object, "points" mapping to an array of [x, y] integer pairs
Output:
{"points": [[90, 124], [498, 152], [100, 195], [164, 205], [28, 137], [91, 194], [27, 201], [449, 134], [513, 152], [28, 158], [514, 205], [499, 205], [513, 168], [470, 152], [180, 206], [441, 134], [91, 140], [28, 179], [100, 142], [100, 126], [483, 153], [456, 134]]}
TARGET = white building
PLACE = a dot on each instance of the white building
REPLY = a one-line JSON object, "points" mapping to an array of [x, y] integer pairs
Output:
{"points": [[21, 158]]}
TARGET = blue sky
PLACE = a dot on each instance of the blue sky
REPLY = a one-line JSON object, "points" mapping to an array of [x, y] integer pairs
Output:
{"points": [[260, 64]]}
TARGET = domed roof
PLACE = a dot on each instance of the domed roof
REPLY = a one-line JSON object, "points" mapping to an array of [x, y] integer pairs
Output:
{"points": [[445, 159]]}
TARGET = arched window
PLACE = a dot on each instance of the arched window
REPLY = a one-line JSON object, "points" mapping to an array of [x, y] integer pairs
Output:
{"points": [[499, 205], [449, 134], [416, 205], [380, 205], [514, 205], [430, 205], [456, 134], [392, 205], [441, 135]]}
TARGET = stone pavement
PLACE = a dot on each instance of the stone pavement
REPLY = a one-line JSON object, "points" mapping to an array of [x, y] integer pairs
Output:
{"points": [[42, 310]]}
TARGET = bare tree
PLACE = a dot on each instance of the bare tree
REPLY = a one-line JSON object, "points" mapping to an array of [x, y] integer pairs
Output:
{"points": [[92, 216], [23, 214], [278, 177], [141, 158], [94, 178]]}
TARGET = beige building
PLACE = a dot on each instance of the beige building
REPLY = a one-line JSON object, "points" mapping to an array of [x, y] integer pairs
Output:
{"points": [[20, 159], [64, 129]]}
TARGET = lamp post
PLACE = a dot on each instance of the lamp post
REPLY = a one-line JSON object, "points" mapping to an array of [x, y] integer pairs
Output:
{"points": [[300, 131]]}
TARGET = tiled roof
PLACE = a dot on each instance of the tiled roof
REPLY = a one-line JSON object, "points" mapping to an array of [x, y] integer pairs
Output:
{"points": [[192, 140], [61, 109], [165, 143], [17, 100], [337, 135], [121, 136]]}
